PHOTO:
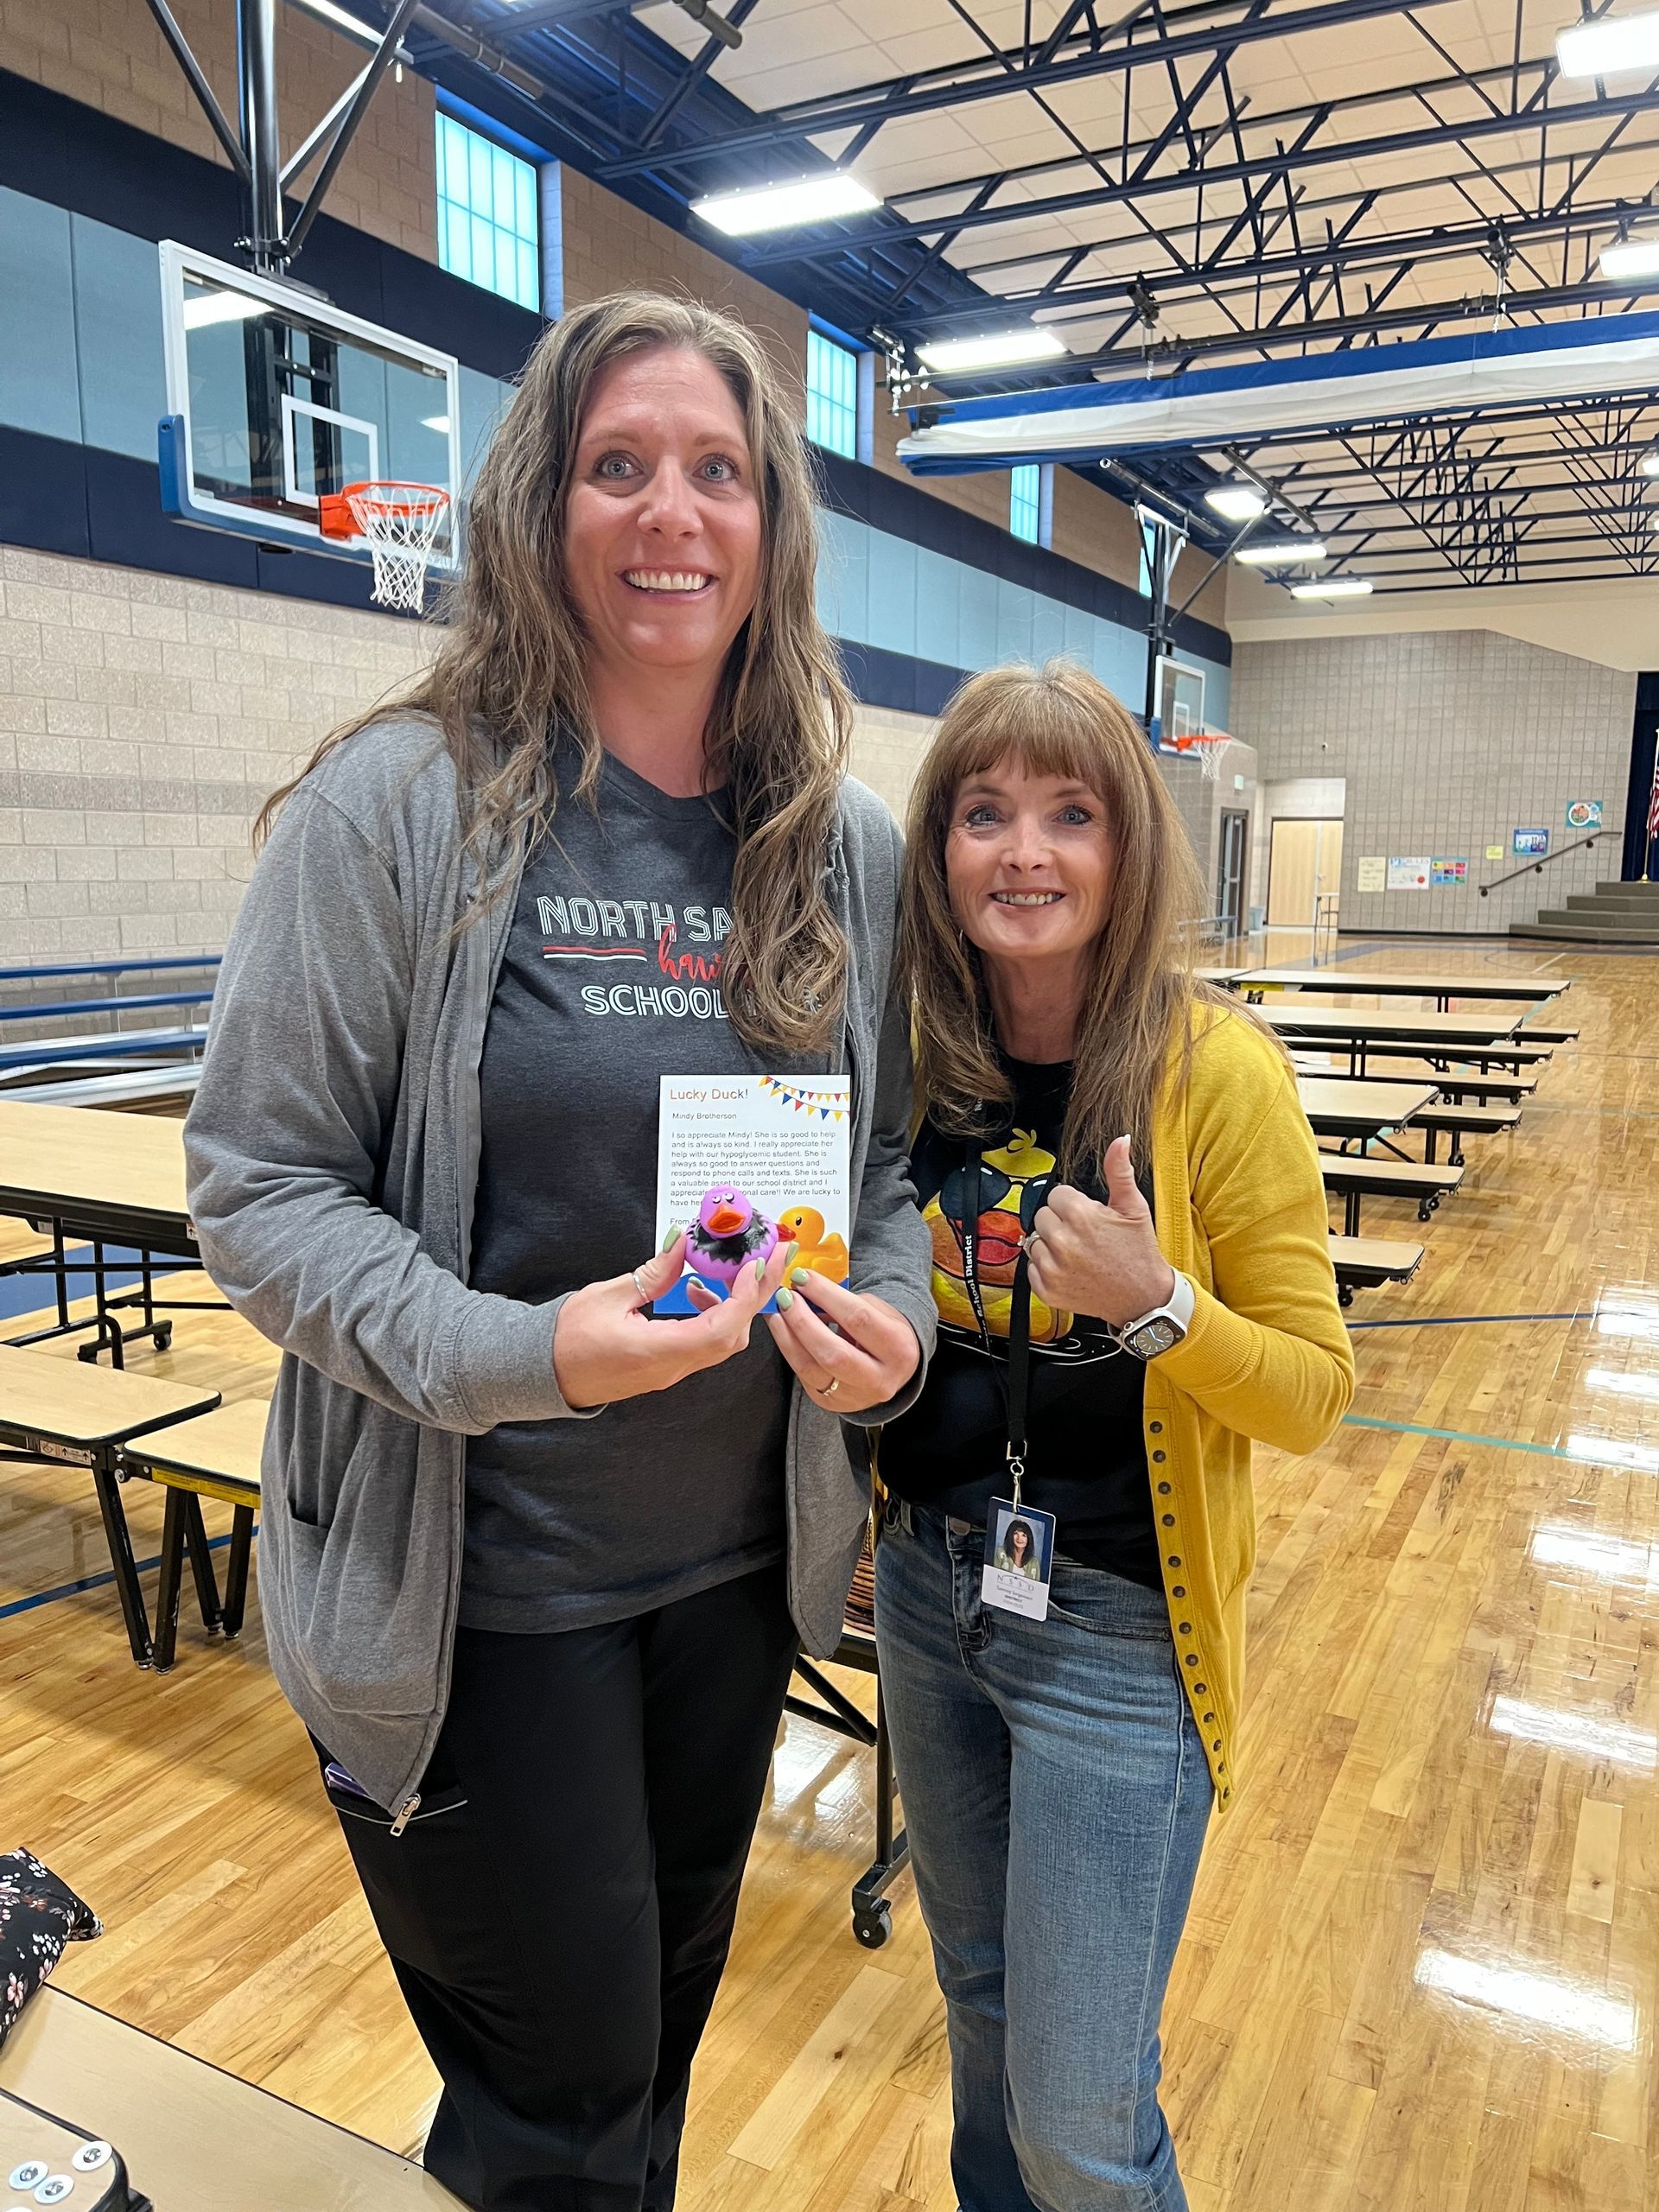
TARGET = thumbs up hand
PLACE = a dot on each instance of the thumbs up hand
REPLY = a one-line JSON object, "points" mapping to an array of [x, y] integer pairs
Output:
{"points": [[1100, 1259]]}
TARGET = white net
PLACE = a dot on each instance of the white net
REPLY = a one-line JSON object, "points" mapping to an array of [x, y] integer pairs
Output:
{"points": [[401, 523], [1209, 751]]}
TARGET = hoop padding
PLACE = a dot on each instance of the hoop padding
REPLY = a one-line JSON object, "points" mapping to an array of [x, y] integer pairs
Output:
{"points": [[401, 523]]}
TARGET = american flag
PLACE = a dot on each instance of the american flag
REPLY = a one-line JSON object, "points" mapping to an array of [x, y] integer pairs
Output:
{"points": [[1653, 804]]}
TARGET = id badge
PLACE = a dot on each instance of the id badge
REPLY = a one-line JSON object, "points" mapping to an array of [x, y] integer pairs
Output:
{"points": [[1018, 1558]]}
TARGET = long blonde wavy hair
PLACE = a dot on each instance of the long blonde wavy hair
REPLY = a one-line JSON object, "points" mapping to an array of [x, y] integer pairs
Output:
{"points": [[1054, 720], [510, 672]]}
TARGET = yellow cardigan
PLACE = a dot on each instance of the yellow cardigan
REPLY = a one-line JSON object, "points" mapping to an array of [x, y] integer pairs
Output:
{"points": [[1241, 1212]]}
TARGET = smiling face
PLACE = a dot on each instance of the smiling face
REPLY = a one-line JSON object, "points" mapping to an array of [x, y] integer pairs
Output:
{"points": [[1028, 862], [663, 521]]}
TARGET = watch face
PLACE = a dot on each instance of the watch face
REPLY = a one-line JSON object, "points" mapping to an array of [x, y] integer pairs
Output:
{"points": [[1157, 1336]]}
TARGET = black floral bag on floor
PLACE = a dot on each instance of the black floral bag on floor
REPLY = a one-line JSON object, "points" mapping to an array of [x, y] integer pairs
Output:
{"points": [[38, 1916]]}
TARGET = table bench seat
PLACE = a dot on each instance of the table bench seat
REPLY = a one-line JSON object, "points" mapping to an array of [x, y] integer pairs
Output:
{"points": [[1352, 1176], [65, 1410], [1367, 1263], [216, 1456]]}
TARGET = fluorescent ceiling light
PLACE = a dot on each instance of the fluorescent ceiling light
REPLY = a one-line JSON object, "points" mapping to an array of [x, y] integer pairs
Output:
{"points": [[1003, 349], [1606, 47], [209, 308], [439, 422], [776, 207], [1649, 464], [343, 19], [1333, 588], [1637, 256], [1238, 502], [1270, 554]]}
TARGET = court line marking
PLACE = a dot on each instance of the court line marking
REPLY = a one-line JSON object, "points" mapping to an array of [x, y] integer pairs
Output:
{"points": [[1498, 1443], [89, 1582], [1455, 1320]]}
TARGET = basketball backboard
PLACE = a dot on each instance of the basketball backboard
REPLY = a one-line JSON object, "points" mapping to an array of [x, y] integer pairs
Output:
{"points": [[275, 399], [1180, 701]]}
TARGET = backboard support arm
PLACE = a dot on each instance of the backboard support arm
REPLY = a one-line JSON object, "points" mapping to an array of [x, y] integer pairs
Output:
{"points": [[198, 85], [377, 63]]}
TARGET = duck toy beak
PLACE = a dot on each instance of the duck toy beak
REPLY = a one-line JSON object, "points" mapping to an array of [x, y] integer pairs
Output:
{"points": [[726, 1221]]}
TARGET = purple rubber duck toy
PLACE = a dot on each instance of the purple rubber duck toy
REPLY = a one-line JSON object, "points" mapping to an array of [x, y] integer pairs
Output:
{"points": [[727, 1234]]}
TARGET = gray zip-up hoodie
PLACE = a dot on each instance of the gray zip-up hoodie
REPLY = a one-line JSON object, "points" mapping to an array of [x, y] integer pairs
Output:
{"points": [[333, 1154]]}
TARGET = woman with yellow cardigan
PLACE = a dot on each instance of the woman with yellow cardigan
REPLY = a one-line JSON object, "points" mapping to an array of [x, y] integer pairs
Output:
{"points": [[1119, 1315]]}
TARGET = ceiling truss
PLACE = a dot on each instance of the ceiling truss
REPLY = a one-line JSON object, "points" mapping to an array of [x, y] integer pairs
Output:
{"points": [[1206, 222]]}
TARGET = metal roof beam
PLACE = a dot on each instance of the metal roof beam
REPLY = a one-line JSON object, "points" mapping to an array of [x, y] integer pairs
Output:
{"points": [[1006, 72], [1354, 151]]}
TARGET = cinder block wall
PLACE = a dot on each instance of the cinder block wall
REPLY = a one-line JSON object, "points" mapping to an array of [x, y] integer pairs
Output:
{"points": [[110, 54], [143, 721], [1449, 741], [610, 245]]}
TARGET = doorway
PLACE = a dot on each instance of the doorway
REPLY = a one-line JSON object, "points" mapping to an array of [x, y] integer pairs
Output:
{"points": [[1304, 864], [1229, 872]]}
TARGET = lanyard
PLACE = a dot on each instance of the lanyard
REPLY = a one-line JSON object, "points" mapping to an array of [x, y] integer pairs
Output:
{"points": [[1014, 1374]]}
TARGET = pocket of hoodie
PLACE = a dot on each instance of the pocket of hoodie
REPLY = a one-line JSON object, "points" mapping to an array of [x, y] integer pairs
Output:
{"points": [[366, 1623]]}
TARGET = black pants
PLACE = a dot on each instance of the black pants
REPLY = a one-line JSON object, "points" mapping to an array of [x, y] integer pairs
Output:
{"points": [[559, 1912]]}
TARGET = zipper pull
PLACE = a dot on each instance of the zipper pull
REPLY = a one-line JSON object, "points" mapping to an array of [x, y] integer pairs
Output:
{"points": [[406, 1813]]}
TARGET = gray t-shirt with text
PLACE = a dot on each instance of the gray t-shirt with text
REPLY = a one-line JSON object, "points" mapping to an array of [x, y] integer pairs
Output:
{"points": [[611, 980]]}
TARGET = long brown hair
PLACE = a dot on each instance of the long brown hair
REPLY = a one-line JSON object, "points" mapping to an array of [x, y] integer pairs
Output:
{"points": [[1054, 720], [509, 670]]}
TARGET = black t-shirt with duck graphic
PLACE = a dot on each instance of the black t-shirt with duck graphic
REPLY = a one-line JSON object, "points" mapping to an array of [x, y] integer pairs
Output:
{"points": [[1085, 1462]]}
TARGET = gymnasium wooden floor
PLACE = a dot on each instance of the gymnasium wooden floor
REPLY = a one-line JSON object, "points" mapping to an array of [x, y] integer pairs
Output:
{"points": [[1421, 1971]]}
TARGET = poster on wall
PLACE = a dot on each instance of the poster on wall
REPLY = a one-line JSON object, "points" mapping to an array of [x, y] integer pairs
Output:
{"points": [[1494, 852], [1373, 875], [1531, 842], [1455, 871], [1584, 813], [1411, 874]]}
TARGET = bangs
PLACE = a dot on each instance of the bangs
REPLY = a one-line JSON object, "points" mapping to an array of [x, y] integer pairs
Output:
{"points": [[1026, 720]]}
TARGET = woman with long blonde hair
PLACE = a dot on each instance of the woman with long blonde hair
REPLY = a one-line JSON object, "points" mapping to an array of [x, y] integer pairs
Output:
{"points": [[1131, 1270], [534, 1565]]}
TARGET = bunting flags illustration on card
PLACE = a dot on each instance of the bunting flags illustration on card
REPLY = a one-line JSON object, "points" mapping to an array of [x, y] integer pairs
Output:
{"points": [[804, 1100]]}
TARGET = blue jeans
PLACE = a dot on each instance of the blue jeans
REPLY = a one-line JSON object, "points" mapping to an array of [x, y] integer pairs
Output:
{"points": [[1056, 1797]]}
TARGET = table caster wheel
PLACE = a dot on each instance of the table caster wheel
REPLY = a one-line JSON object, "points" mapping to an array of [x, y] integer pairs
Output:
{"points": [[874, 1927], [164, 1335]]}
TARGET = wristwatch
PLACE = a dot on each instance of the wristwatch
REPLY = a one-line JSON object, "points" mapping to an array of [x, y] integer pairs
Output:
{"points": [[1165, 1326]]}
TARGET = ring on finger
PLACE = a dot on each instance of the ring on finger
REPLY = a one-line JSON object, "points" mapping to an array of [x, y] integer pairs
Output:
{"points": [[828, 1389], [639, 1285]]}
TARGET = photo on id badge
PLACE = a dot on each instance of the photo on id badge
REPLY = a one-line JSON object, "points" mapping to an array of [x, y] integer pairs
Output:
{"points": [[1018, 1558]]}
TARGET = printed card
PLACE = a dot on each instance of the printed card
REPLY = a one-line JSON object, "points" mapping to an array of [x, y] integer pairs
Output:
{"points": [[739, 1154]]}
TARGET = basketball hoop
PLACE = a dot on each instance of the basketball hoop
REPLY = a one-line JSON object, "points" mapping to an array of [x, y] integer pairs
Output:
{"points": [[1209, 746], [401, 523]]}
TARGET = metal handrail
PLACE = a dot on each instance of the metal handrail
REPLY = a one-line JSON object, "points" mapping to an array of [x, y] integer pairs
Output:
{"points": [[1537, 868]]}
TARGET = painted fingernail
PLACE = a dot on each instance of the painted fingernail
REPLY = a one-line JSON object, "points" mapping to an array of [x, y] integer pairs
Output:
{"points": [[760, 1270], [670, 1240], [801, 1274], [789, 1250], [786, 1298]]}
